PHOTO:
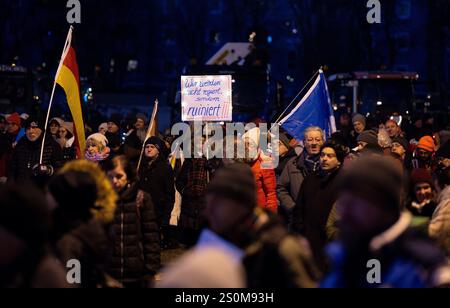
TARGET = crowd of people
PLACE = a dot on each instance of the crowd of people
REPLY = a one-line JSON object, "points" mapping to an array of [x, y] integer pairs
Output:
{"points": [[371, 191]]}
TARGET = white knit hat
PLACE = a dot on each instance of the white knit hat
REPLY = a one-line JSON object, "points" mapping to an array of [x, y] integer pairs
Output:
{"points": [[99, 138], [254, 135], [103, 125], [58, 120]]}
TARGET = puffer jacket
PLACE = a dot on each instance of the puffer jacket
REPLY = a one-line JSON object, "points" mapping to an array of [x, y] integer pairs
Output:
{"points": [[439, 228], [136, 250], [266, 183]]}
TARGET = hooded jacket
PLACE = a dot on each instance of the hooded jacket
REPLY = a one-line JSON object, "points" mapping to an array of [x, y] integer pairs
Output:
{"points": [[266, 185]]}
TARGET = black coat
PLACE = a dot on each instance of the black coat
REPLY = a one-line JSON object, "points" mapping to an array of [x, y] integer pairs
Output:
{"points": [[26, 155], [136, 249], [284, 161], [157, 179], [115, 143], [276, 259], [133, 147], [87, 243], [317, 196]]}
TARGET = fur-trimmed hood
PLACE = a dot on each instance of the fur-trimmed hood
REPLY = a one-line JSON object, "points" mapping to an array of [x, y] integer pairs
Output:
{"points": [[105, 205]]}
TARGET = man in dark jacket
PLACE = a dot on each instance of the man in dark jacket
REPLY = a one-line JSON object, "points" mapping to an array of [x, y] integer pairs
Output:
{"points": [[374, 231], [297, 169], [26, 155], [8, 140], [316, 200], [272, 258], [286, 153]]}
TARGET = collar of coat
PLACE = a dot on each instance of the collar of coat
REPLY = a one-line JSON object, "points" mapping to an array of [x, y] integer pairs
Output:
{"points": [[129, 193]]}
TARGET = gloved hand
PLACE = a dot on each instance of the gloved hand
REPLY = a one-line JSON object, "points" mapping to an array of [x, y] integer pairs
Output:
{"points": [[42, 170]]}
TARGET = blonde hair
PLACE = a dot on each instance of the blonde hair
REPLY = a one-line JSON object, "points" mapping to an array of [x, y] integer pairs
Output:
{"points": [[105, 205], [96, 143]]}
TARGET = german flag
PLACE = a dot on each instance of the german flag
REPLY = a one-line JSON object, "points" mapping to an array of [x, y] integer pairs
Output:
{"points": [[68, 78]]}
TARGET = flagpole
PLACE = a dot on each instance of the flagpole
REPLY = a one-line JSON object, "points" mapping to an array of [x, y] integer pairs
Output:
{"points": [[150, 128], [64, 53]]}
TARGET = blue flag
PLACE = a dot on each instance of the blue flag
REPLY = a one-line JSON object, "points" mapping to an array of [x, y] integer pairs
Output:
{"points": [[313, 110]]}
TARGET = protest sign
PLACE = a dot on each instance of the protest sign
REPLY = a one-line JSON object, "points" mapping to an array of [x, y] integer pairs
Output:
{"points": [[206, 98]]}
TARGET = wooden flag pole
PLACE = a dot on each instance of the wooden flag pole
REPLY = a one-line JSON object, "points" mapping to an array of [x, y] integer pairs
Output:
{"points": [[149, 132]]}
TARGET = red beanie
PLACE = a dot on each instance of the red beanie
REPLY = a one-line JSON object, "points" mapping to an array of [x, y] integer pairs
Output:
{"points": [[421, 176], [427, 144], [14, 118]]}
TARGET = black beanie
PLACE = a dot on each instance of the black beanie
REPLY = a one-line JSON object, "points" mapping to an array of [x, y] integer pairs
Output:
{"points": [[35, 122], [374, 179], [116, 119], [159, 144], [235, 182], [369, 137], [402, 141], [285, 140]]}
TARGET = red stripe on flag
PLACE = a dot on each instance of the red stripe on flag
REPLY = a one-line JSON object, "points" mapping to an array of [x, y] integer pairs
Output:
{"points": [[71, 62]]}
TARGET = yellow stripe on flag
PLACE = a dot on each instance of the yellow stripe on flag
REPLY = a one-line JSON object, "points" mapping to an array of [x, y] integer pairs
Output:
{"points": [[68, 82]]}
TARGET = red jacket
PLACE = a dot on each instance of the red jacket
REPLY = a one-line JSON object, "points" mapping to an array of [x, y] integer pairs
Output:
{"points": [[266, 184]]}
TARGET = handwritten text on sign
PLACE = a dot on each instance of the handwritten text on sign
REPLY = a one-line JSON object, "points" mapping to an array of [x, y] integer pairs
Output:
{"points": [[206, 98]]}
